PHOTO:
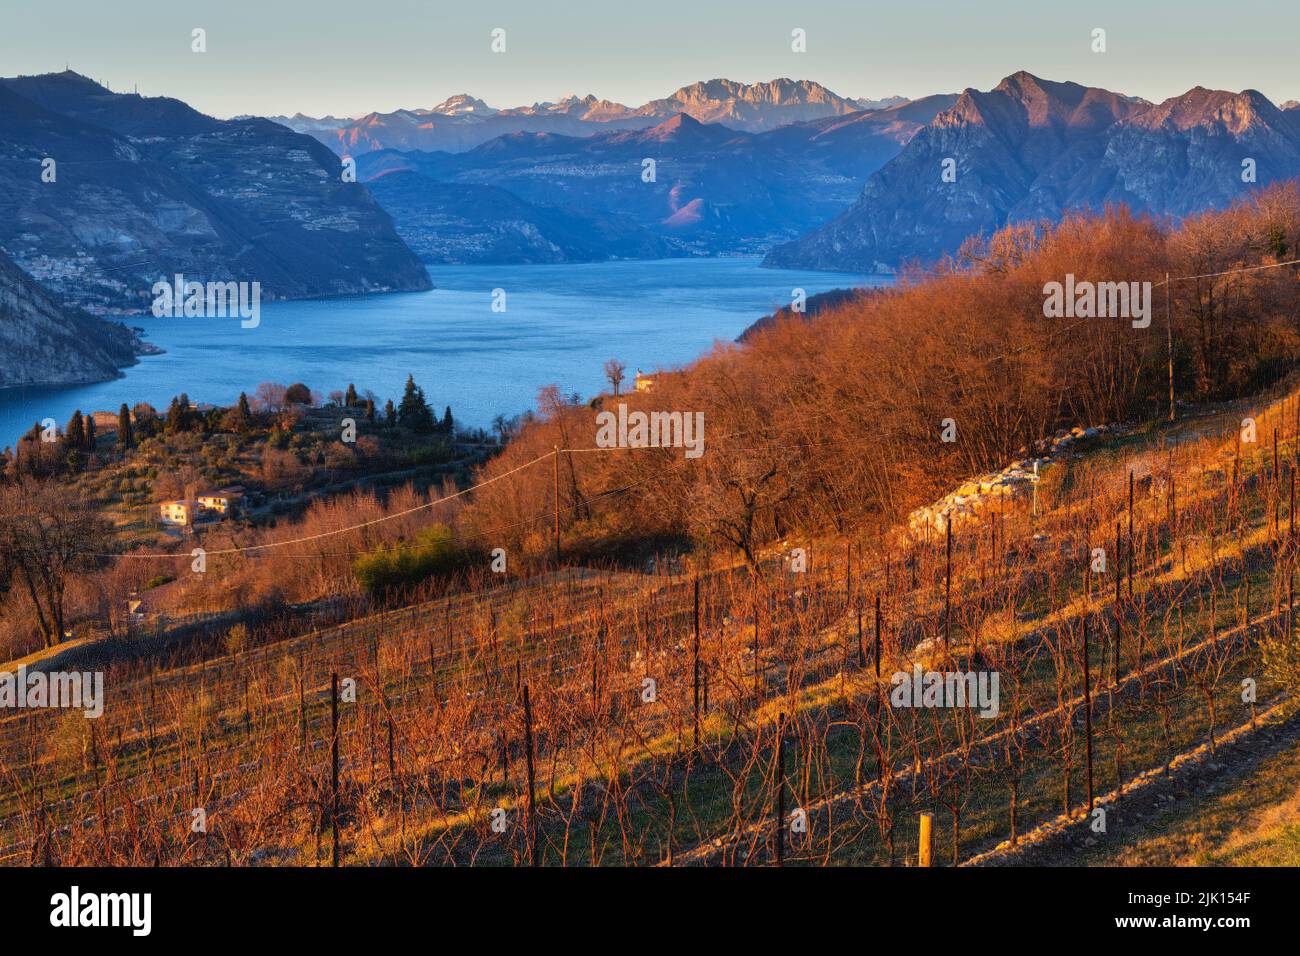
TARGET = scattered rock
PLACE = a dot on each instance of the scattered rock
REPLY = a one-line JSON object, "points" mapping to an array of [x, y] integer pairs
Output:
{"points": [[995, 490]]}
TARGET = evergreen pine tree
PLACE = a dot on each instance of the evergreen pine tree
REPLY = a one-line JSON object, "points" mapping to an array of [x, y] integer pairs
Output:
{"points": [[448, 426], [414, 412]]}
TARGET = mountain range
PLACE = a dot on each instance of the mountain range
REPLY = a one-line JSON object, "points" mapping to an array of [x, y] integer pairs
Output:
{"points": [[103, 194], [1032, 149], [681, 187], [857, 190], [462, 122], [139, 189]]}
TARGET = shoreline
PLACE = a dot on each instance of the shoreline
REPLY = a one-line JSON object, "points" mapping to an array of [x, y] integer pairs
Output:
{"points": [[561, 325]]}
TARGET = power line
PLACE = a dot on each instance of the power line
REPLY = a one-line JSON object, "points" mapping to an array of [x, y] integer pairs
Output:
{"points": [[558, 451], [1227, 272], [374, 521], [356, 527]]}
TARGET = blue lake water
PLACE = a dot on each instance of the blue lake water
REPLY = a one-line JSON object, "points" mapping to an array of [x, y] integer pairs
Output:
{"points": [[560, 325]]}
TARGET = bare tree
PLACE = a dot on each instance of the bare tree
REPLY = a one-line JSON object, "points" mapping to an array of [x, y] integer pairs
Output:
{"points": [[269, 397], [614, 370], [46, 534]]}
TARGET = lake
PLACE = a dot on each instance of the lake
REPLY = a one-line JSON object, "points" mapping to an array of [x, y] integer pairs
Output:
{"points": [[560, 324]]}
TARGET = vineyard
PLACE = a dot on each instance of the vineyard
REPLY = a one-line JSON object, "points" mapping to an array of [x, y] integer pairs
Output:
{"points": [[1137, 614]]}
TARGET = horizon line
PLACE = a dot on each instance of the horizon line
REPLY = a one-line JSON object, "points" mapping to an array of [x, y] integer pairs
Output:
{"points": [[1277, 101]]}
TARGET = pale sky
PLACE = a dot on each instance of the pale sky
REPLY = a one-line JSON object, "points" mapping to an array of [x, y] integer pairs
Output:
{"points": [[349, 57]]}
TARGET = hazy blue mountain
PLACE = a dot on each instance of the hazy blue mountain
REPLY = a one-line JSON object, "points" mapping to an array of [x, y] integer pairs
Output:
{"points": [[149, 187], [454, 223], [714, 189], [1031, 149]]}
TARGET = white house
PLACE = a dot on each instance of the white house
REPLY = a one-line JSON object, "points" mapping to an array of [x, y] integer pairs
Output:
{"points": [[221, 501], [179, 513]]}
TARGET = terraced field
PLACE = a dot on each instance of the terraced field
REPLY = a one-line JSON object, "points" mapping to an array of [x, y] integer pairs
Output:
{"points": [[710, 716]]}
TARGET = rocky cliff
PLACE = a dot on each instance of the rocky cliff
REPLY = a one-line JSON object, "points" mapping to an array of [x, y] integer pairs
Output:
{"points": [[43, 343]]}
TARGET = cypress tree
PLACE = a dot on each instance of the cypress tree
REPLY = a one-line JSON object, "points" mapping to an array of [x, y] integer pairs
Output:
{"points": [[124, 437], [236, 420], [178, 413], [75, 433]]}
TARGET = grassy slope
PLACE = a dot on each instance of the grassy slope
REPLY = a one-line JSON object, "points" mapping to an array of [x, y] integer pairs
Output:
{"points": [[1249, 818], [1145, 743]]}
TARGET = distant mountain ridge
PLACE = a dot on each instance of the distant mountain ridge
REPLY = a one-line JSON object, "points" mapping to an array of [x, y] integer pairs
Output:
{"points": [[462, 122], [1033, 149], [148, 186], [752, 107], [145, 188], [711, 190]]}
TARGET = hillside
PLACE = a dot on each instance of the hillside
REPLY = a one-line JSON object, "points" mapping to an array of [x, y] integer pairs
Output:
{"points": [[483, 224], [456, 693], [148, 187], [697, 661], [44, 343], [1034, 149]]}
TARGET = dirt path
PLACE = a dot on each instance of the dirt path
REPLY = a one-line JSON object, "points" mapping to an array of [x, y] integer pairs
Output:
{"points": [[1140, 812]]}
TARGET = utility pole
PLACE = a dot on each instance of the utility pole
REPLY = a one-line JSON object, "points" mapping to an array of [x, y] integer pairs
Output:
{"points": [[947, 598], [1132, 551], [531, 819], [924, 849], [877, 634], [1169, 336], [555, 474], [695, 663], [1087, 712], [1119, 609], [334, 762], [780, 790]]}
